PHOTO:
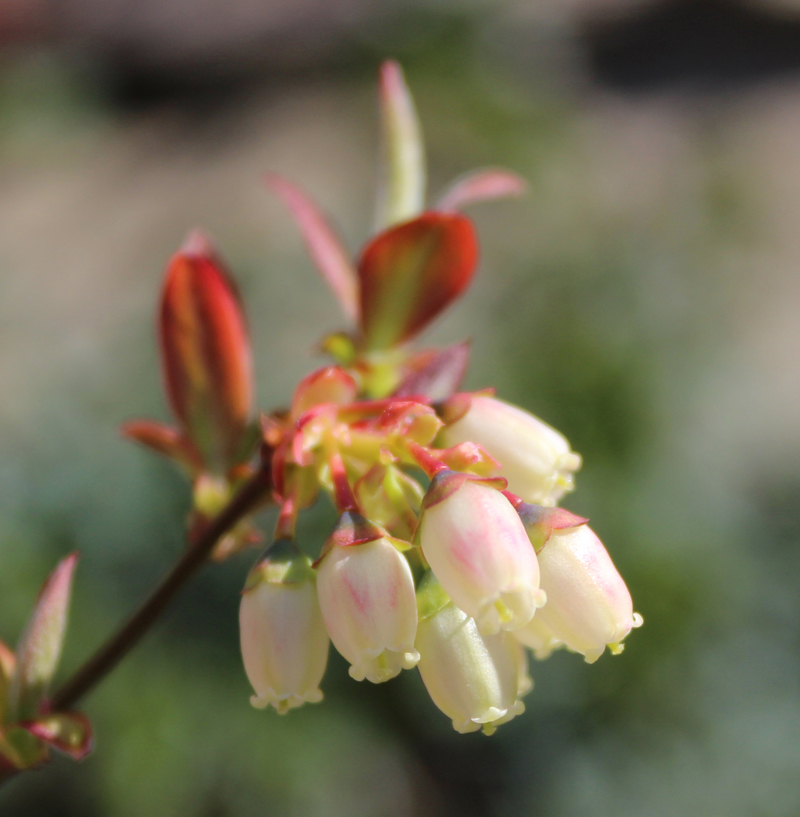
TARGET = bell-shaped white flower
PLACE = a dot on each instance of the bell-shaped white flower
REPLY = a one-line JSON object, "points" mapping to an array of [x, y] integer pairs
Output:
{"points": [[537, 636], [283, 638], [477, 546], [366, 592], [477, 680], [588, 604], [536, 459]]}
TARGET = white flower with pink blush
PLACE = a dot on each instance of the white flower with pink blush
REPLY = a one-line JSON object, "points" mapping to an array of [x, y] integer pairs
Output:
{"points": [[536, 459], [588, 605], [283, 640], [477, 546], [477, 680], [366, 592]]}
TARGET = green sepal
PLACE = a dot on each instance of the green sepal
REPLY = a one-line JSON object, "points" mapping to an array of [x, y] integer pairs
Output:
{"points": [[430, 597], [282, 563]]}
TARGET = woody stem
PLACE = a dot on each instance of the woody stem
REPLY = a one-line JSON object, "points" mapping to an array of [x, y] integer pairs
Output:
{"points": [[193, 558]]}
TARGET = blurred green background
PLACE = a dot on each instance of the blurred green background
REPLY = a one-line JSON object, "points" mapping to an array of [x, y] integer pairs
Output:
{"points": [[643, 299]]}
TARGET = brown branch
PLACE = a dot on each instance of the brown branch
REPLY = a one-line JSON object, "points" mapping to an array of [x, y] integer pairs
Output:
{"points": [[195, 556]]}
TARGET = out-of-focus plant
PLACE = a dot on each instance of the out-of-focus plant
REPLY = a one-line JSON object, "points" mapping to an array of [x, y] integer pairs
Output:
{"points": [[449, 553]]}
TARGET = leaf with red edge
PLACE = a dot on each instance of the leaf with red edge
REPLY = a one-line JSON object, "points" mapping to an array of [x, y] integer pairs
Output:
{"points": [[206, 353], [410, 273], [39, 648], [69, 732], [435, 373], [481, 185], [168, 441], [326, 249], [331, 384], [401, 172]]}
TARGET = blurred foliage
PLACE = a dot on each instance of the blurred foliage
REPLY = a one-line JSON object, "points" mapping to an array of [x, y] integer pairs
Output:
{"points": [[623, 303]]}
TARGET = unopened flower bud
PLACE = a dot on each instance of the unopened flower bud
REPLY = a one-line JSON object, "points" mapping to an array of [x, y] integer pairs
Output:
{"points": [[475, 679], [476, 544], [588, 604], [536, 459], [283, 638], [366, 592], [205, 353]]}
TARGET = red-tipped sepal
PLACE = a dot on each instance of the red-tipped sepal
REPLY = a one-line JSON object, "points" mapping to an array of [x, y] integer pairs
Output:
{"points": [[410, 273], [540, 522], [205, 352]]}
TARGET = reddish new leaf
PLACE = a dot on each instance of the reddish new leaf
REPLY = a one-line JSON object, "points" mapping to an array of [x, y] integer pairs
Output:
{"points": [[206, 353], [481, 185], [39, 647], [436, 373], [410, 273], [167, 441], [327, 251]]}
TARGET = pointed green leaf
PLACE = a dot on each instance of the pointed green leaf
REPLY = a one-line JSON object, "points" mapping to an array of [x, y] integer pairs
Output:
{"points": [[39, 648], [401, 173]]}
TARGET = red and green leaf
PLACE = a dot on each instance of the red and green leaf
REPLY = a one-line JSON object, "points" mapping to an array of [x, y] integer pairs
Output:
{"points": [[410, 273]]}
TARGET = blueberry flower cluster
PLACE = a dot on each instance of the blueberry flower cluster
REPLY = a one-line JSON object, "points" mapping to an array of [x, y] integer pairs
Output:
{"points": [[450, 553]]}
